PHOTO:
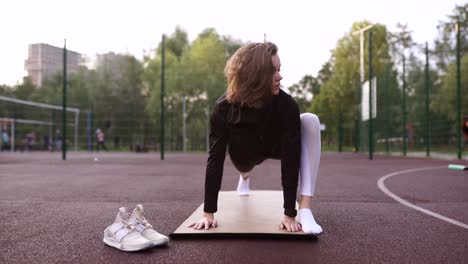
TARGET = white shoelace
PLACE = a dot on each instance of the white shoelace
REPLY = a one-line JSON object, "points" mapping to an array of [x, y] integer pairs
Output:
{"points": [[141, 223]]}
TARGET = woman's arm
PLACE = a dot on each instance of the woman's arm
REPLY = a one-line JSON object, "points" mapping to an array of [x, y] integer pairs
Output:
{"points": [[214, 170], [290, 154], [217, 154]]}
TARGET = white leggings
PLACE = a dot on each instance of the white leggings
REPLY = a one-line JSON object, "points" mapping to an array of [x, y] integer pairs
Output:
{"points": [[310, 152]]}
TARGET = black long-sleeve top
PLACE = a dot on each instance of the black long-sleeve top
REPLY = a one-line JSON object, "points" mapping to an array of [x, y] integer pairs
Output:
{"points": [[250, 136]]}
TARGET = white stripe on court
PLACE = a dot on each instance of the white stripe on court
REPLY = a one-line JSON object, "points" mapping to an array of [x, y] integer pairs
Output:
{"points": [[384, 189]]}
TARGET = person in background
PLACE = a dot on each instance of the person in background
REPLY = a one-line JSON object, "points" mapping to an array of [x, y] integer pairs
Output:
{"points": [[46, 142], [465, 130], [100, 139], [5, 140], [30, 140], [58, 140]]}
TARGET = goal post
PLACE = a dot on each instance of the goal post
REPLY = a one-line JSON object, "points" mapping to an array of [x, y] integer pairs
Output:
{"points": [[12, 121]]}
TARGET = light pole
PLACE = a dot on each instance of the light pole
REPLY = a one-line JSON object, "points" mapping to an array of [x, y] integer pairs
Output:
{"points": [[162, 95], [428, 119], [184, 128], [361, 46], [405, 142], [64, 102], [371, 135], [459, 141], [362, 73]]}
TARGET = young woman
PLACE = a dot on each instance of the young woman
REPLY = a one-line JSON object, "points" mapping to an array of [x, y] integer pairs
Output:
{"points": [[256, 120]]}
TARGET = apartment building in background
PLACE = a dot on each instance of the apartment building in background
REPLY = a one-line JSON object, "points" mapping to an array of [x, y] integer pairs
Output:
{"points": [[45, 60], [112, 63]]}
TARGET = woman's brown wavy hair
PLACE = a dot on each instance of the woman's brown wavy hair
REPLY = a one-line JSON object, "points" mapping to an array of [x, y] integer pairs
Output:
{"points": [[249, 73]]}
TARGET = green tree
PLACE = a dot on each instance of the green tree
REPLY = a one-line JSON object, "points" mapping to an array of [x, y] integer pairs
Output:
{"points": [[119, 102], [309, 86], [152, 88], [302, 91], [445, 43], [205, 71], [339, 95], [401, 41], [178, 42], [443, 85], [25, 89], [445, 101], [231, 45]]}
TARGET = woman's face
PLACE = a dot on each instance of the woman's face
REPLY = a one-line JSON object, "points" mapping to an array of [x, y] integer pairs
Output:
{"points": [[276, 85]]}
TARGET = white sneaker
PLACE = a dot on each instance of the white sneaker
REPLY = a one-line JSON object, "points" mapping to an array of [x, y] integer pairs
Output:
{"points": [[124, 236], [145, 228], [243, 187]]}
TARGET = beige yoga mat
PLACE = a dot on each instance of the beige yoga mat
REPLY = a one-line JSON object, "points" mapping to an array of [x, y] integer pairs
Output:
{"points": [[257, 215]]}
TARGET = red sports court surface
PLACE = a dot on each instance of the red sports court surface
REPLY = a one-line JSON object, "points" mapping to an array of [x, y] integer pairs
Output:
{"points": [[55, 211]]}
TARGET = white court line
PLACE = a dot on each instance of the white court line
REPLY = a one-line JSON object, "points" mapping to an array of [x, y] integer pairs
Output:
{"points": [[382, 187]]}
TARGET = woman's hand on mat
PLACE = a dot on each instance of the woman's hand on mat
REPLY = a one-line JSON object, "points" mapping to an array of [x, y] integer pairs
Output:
{"points": [[290, 224], [206, 222]]}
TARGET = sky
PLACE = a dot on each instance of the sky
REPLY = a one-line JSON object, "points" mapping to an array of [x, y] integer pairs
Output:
{"points": [[305, 31]]}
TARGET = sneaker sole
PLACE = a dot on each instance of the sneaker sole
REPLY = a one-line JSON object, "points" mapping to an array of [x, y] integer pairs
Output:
{"points": [[125, 248], [161, 243]]}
